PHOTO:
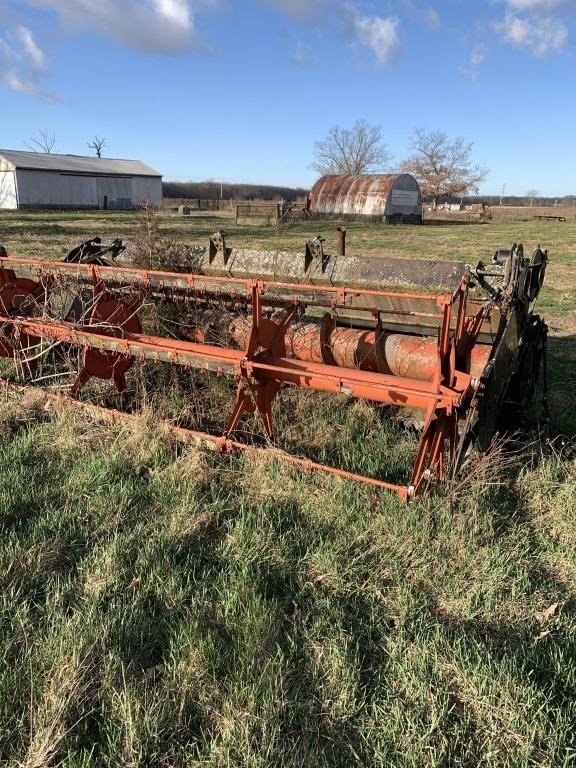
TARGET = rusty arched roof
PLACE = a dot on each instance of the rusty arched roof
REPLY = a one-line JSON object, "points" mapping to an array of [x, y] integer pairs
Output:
{"points": [[362, 194]]}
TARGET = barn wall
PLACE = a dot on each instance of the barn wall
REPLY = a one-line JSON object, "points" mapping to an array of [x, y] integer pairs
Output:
{"points": [[8, 196], [146, 188], [404, 197], [38, 188]]}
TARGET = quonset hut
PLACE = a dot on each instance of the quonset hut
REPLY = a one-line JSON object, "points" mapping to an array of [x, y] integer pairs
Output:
{"points": [[38, 180], [392, 197]]}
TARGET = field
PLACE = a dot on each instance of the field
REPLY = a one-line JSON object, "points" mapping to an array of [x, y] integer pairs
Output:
{"points": [[164, 607]]}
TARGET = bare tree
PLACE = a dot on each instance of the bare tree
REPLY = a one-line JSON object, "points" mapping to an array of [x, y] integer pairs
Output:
{"points": [[97, 144], [531, 194], [43, 142], [359, 149], [443, 167]]}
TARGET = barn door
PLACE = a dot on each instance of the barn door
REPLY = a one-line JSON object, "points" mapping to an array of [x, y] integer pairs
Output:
{"points": [[115, 193]]}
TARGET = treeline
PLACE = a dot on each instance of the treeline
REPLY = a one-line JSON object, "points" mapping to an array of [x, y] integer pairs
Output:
{"points": [[213, 190]]}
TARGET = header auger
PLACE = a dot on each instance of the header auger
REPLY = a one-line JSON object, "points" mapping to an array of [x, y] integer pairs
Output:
{"points": [[271, 320]]}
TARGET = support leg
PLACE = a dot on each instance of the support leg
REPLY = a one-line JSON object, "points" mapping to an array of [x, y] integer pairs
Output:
{"points": [[82, 379], [242, 405]]}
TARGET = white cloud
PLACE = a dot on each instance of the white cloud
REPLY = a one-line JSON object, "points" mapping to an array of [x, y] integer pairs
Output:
{"points": [[378, 33], [542, 6], [23, 64], [302, 54], [153, 26], [538, 37], [477, 57], [429, 16], [304, 11], [426, 15], [175, 11], [539, 26], [31, 49]]}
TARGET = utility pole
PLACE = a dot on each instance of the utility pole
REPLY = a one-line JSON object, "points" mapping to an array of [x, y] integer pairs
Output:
{"points": [[503, 193]]}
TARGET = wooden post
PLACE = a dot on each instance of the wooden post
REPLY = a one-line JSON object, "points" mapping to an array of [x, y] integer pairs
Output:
{"points": [[341, 241]]}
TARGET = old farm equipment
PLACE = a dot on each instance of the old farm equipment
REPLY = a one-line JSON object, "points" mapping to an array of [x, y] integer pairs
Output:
{"points": [[454, 342]]}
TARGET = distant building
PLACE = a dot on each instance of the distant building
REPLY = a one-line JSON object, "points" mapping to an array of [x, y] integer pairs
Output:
{"points": [[392, 197], [37, 180]]}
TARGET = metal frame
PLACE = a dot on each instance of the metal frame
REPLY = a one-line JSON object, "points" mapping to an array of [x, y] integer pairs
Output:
{"points": [[262, 368]]}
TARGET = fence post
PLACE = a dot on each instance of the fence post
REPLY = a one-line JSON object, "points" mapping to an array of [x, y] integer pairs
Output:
{"points": [[341, 241]]}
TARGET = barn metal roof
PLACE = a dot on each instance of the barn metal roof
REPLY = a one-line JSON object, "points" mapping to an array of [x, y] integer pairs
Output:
{"points": [[365, 194], [13, 159], [331, 188]]}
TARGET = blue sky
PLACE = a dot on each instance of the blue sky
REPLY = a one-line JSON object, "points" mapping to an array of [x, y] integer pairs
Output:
{"points": [[241, 89]]}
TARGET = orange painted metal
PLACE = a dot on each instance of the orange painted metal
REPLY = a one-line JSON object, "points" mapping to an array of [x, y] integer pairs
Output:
{"points": [[203, 439], [115, 318], [394, 353], [16, 292], [431, 375], [18, 295], [392, 390]]}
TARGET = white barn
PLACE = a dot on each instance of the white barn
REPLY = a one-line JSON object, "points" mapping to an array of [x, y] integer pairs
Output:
{"points": [[37, 180]]}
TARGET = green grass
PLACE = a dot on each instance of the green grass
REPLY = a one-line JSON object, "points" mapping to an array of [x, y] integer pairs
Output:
{"points": [[164, 607], [160, 606], [28, 232]]}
